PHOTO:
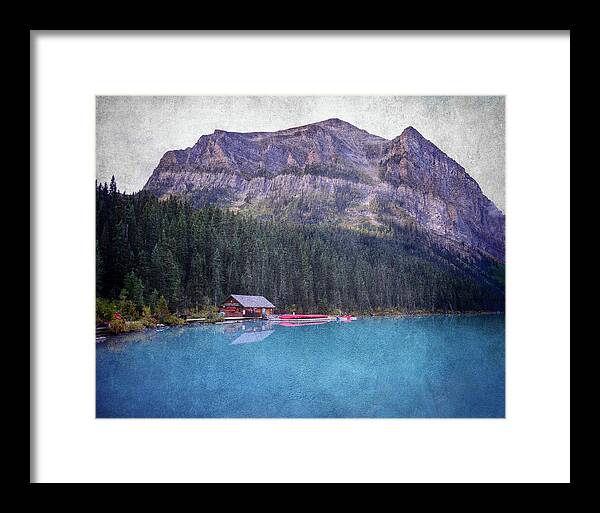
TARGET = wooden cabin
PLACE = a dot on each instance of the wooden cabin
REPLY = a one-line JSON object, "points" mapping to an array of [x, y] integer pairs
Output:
{"points": [[238, 305]]}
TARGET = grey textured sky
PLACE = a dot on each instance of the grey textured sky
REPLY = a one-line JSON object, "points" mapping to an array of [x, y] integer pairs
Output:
{"points": [[133, 132]]}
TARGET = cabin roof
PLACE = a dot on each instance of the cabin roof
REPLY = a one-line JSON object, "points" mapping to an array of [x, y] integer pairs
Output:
{"points": [[252, 301]]}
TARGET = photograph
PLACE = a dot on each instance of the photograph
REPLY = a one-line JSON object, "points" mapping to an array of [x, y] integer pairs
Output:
{"points": [[336, 257], [300, 256]]}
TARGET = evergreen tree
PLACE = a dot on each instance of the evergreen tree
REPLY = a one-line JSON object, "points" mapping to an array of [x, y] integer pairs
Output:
{"points": [[162, 310], [165, 273], [197, 281], [113, 187], [99, 271], [217, 277], [134, 289]]}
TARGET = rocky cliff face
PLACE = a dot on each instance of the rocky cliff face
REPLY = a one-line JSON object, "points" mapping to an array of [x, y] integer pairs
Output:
{"points": [[334, 172]]}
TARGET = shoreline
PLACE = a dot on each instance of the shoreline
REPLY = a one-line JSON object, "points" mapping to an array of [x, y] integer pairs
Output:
{"points": [[431, 314], [100, 337]]}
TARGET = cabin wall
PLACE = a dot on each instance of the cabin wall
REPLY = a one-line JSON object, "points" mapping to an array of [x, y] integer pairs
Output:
{"points": [[240, 311], [231, 308]]}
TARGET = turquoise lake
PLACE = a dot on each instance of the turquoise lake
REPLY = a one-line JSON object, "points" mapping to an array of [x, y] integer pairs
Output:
{"points": [[413, 367]]}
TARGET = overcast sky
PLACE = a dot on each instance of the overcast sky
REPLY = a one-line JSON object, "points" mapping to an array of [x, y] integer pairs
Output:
{"points": [[133, 132]]}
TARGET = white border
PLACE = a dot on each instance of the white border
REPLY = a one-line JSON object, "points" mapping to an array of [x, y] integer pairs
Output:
{"points": [[532, 444]]}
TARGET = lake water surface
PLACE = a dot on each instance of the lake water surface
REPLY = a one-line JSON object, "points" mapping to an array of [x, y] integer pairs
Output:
{"points": [[431, 366]]}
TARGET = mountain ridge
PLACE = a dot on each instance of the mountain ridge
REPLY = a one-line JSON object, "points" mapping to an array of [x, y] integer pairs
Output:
{"points": [[332, 171]]}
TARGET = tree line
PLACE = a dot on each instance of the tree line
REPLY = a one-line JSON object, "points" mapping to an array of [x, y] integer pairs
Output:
{"points": [[194, 258]]}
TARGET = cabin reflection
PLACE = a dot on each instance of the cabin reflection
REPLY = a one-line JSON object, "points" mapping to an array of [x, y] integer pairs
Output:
{"points": [[247, 338], [245, 333]]}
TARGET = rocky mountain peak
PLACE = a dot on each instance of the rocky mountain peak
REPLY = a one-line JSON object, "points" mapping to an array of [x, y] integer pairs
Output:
{"points": [[336, 123], [410, 131], [333, 171]]}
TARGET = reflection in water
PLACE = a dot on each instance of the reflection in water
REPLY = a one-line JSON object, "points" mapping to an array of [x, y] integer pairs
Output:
{"points": [[247, 332], [252, 336], [294, 324], [119, 343]]}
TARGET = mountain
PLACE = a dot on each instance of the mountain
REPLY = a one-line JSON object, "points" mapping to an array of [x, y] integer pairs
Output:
{"points": [[335, 173]]}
